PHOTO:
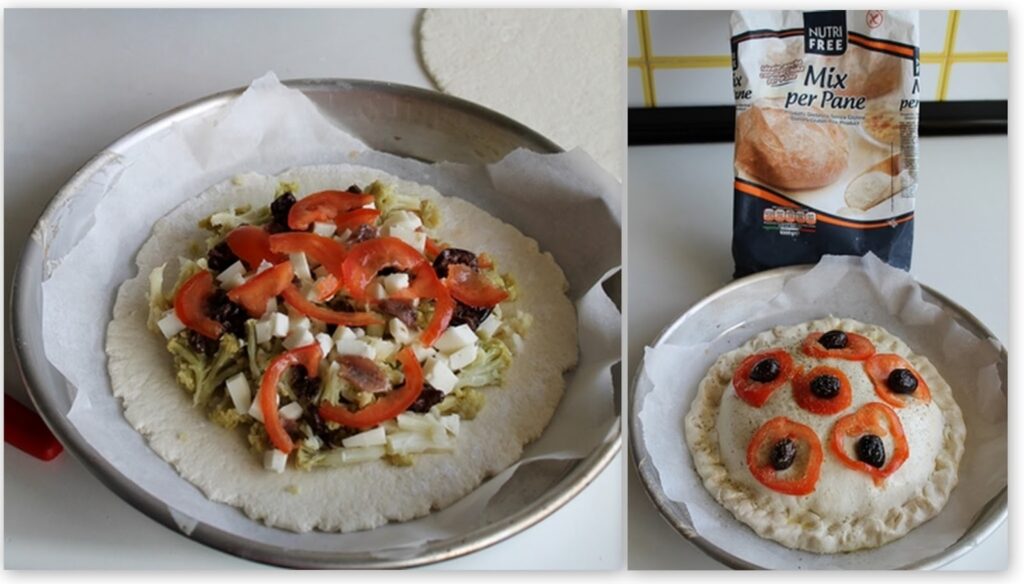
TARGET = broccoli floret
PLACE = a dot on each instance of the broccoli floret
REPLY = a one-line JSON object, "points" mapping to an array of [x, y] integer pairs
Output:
{"points": [[223, 222], [252, 349], [258, 439], [465, 402], [492, 360], [386, 200], [228, 417], [158, 303], [308, 458], [333, 386], [201, 375], [398, 459], [507, 283], [286, 187]]}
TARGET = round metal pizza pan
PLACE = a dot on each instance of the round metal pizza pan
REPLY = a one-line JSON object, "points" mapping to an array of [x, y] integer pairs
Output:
{"points": [[393, 118], [763, 286]]}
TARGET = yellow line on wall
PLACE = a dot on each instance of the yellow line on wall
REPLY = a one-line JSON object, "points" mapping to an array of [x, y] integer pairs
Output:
{"points": [[691, 62], [646, 75], [980, 57], [952, 23]]}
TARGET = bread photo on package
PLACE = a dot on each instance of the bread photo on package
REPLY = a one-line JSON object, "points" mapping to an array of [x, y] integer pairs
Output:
{"points": [[827, 107]]}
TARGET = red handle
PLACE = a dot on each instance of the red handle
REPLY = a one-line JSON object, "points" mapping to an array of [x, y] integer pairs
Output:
{"points": [[25, 430]]}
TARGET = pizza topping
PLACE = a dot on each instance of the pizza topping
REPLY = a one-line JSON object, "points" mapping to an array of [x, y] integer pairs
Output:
{"points": [[309, 357], [755, 392], [825, 386], [403, 310], [191, 302], [324, 206], [251, 244], [469, 315], [385, 407], [785, 456], [261, 288], [280, 207], [449, 256], [470, 287], [878, 421], [765, 370], [823, 390], [856, 347], [363, 373], [220, 257], [896, 382]]}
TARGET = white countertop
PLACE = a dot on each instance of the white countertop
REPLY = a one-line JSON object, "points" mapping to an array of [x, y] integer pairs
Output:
{"points": [[680, 232], [77, 80]]}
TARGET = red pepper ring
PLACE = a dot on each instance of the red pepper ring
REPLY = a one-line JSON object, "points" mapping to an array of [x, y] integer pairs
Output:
{"points": [[759, 456], [324, 206], [190, 305], [806, 399], [355, 218], [388, 405], [309, 357], [869, 420], [367, 258], [858, 348], [756, 393], [472, 288], [878, 368], [294, 298]]}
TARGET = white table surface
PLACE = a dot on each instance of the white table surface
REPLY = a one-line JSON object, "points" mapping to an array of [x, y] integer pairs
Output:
{"points": [[679, 236], [75, 82]]}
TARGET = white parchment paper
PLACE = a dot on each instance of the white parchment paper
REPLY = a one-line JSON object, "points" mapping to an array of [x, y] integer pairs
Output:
{"points": [[269, 129], [868, 290]]}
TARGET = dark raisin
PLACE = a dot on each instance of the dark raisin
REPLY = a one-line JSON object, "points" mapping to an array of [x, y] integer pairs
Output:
{"points": [[902, 381], [355, 189], [305, 387], [403, 310], [202, 344], [363, 233], [220, 257], [226, 312], [428, 398], [280, 208], [469, 315], [833, 340], [783, 454], [275, 227], [765, 370], [871, 450], [825, 386], [451, 255]]}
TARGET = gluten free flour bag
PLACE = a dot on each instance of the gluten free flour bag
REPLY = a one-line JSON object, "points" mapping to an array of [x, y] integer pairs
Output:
{"points": [[826, 135]]}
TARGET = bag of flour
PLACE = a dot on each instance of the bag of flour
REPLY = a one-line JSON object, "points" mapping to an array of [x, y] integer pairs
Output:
{"points": [[826, 135]]}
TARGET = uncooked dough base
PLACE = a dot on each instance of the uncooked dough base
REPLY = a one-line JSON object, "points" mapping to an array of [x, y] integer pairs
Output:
{"points": [[846, 512], [558, 71], [369, 494]]}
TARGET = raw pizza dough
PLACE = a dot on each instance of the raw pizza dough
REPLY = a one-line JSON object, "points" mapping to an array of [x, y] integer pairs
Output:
{"points": [[846, 511], [364, 495], [558, 71]]}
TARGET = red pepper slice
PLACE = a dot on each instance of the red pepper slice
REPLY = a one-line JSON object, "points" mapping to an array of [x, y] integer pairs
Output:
{"points": [[433, 248], [254, 294], [470, 287], [353, 219], [804, 479], [367, 258], [878, 369], [190, 305], [252, 245], [426, 284], [806, 399], [296, 300], [873, 418], [309, 357], [388, 405], [323, 250], [858, 348], [324, 206], [756, 393]]}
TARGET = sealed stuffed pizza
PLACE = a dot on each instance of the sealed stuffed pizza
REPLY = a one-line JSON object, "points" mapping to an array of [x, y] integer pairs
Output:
{"points": [[335, 348]]}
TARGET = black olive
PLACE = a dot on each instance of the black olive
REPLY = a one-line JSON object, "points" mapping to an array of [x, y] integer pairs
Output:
{"points": [[871, 450], [355, 189], [427, 399], [469, 315], [765, 370], [783, 454], [833, 340], [451, 255], [220, 257], [825, 386], [902, 381], [280, 207], [202, 344], [226, 312]]}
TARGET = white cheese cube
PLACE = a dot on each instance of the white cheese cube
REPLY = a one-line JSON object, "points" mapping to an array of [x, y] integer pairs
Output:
{"points": [[170, 324], [403, 219], [326, 343], [275, 460], [264, 266], [423, 353], [462, 357], [342, 333], [264, 331], [382, 350], [374, 437], [233, 271], [416, 239], [395, 282], [417, 422], [324, 229], [233, 282], [298, 322], [271, 306], [455, 338], [377, 291], [292, 411], [437, 374], [400, 332], [343, 236], [360, 332], [298, 338], [354, 347], [241, 394], [342, 456], [488, 327], [517, 343], [300, 265], [279, 325]]}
